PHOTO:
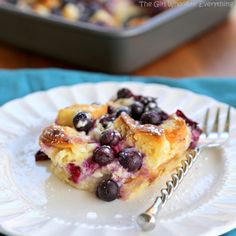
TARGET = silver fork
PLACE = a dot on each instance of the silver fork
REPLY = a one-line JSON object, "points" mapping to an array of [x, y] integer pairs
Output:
{"points": [[215, 138]]}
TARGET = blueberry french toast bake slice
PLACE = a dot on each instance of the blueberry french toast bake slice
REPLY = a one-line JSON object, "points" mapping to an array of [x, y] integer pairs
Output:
{"points": [[118, 149]]}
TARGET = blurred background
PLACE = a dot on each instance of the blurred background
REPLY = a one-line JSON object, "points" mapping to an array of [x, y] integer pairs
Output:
{"points": [[212, 53]]}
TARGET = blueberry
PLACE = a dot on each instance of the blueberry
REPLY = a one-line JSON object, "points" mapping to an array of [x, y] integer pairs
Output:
{"points": [[124, 93], [137, 110], [103, 155], [89, 10], [107, 190], [120, 110], [146, 99], [130, 159], [164, 115], [151, 117], [56, 11], [101, 23], [150, 103], [64, 2], [82, 121], [105, 120], [41, 156], [151, 106], [110, 137], [110, 110]]}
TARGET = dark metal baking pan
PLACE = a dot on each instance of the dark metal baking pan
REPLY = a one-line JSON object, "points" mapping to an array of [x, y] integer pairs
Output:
{"points": [[102, 49]]}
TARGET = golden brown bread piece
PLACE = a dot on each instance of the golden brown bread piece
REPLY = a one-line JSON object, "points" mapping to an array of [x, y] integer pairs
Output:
{"points": [[162, 146], [55, 136], [65, 116], [65, 145]]}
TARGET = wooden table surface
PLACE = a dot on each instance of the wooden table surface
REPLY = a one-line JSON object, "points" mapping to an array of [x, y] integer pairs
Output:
{"points": [[211, 54]]}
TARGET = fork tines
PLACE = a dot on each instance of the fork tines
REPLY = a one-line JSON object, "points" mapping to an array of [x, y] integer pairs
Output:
{"points": [[216, 124]]}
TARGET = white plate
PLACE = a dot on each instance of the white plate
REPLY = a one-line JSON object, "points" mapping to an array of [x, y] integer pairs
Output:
{"points": [[34, 202]]}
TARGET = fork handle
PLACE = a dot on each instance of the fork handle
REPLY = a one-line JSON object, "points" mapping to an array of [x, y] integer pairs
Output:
{"points": [[147, 219]]}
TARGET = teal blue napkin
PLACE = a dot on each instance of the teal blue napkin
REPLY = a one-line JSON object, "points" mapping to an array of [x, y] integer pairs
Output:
{"points": [[15, 84], [18, 83]]}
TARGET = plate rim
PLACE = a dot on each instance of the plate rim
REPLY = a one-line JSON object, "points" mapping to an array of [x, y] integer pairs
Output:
{"points": [[110, 82], [229, 226]]}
